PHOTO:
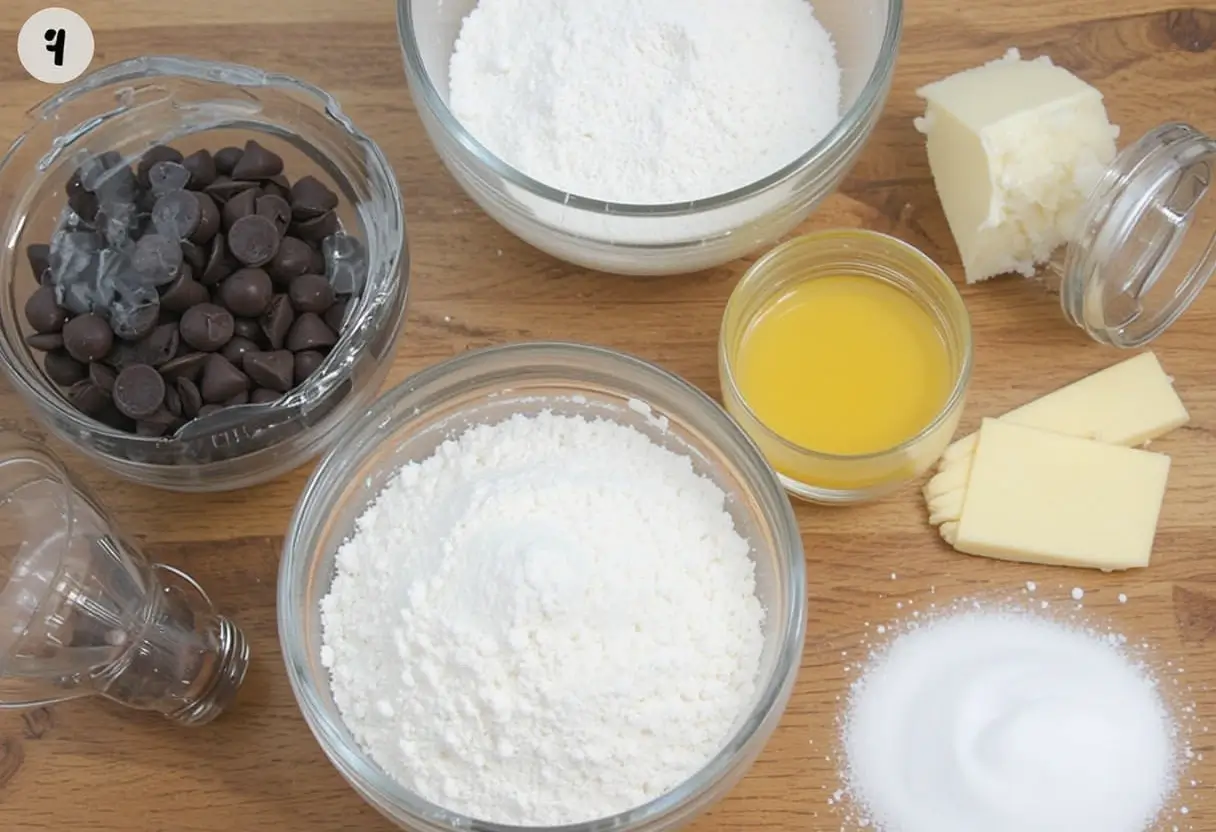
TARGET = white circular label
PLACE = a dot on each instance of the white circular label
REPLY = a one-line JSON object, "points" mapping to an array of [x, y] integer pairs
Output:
{"points": [[55, 45]]}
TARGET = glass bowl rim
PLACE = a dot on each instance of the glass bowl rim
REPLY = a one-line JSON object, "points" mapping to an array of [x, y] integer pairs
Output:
{"points": [[357, 767], [239, 76], [871, 94], [961, 320]]}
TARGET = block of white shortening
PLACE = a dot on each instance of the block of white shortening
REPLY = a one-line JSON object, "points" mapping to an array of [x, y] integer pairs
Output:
{"points": [[1015, 147]]}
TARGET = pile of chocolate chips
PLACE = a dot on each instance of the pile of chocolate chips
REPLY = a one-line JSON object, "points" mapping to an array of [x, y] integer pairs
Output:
{"points": [[189, 284]]}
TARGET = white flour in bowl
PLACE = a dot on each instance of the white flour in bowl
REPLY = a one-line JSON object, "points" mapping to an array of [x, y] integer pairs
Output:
{"points": [[645, 101], [550, 620]]}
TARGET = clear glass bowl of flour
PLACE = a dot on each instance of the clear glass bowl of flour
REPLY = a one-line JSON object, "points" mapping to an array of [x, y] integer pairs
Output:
{"points": [[486, 386], [670, 238]]}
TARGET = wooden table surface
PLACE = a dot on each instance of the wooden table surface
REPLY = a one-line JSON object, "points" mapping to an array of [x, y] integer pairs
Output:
{"points": [[87, 765]]}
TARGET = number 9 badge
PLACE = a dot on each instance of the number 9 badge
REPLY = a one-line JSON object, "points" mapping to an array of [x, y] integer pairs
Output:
{"points": [[55, 45]]}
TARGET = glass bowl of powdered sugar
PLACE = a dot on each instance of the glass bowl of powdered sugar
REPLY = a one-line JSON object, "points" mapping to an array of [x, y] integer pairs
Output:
{"points": [[643, 137], [543, 585]]}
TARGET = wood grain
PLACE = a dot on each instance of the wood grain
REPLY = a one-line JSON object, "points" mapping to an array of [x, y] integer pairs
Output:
{"points": [[89, 766]]}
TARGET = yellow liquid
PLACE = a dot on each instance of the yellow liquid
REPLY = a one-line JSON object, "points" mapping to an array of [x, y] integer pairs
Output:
{"points": [[844, 365]]}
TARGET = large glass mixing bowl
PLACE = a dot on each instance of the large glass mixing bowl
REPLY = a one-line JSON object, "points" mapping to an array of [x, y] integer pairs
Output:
{"points": [[409, 422], [655, 239]]}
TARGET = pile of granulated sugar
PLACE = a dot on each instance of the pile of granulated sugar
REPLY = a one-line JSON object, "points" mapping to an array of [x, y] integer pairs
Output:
{"points": [[548, 621], [1003, 720], [645, 101]]}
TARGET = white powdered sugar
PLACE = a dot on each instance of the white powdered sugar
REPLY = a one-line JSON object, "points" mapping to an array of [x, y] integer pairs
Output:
{"points": [[1008, 721], [646, 102], [549, 620]]}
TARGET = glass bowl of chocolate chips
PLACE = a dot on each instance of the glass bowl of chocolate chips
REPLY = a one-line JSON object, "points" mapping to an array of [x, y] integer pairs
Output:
{"points": [[204, 274]]}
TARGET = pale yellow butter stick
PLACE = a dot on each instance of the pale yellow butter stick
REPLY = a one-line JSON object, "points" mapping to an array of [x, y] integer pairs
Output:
{"points": [[1129, 403], [1040, 497]]}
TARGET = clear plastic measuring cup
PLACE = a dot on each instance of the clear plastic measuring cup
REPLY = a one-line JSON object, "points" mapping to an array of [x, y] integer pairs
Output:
{"points": [[83, 613]]}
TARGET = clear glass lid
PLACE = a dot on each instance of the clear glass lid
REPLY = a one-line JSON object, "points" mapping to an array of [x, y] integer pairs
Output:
{"points": [[1146, 244]]}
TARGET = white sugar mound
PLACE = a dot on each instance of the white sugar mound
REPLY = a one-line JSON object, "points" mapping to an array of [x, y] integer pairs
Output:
{"points": [[1007, 722]]}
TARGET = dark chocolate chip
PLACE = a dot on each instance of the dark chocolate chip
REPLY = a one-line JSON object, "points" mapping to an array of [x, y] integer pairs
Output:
{"points": [[62, 369], [221, 380], [158, 259], [217, 267], [317, 264], [173, 402], [310, 198], [335, 316], [247, 293], [39, 255], [277, 321], [236, 349], [183, 293], [239, 399], [206, 327], [249, 329], [87, 338], [317, 229], [271, 369], [208, 219], [306, 363], [42, 312], [110, 416], [83, 203], [194, 255], [167, 176], [240, 205], [291, 260], [155, 425], [188, 365], [102, 376], [202, 168], [208, 409], [73, 254], [87, 397], [158, 153], [176, 214], [223, 189], [139, 391], [264, 396], [257, 163], [123, 355], [191, 398], [276, 209], [279, 186], [309, 332], [226, 159], [45, 341], [253, 240], [135, 313], [311, 293], [159, 348]]}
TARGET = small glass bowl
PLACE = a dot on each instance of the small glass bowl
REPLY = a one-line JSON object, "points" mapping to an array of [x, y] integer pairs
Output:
{"points": [[133, 105], [677, 237], [831, 478], [410, 421]]}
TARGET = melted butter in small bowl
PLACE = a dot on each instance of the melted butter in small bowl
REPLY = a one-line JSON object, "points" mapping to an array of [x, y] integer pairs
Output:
{"points": [[846, 355]]}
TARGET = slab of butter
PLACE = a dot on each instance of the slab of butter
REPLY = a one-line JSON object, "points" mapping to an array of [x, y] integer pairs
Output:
{"points": [[1015, 148], [1040, 497], [1128, 403]]}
